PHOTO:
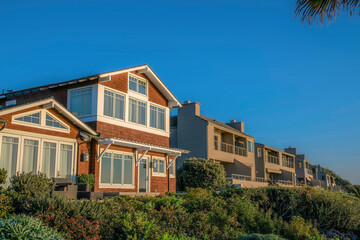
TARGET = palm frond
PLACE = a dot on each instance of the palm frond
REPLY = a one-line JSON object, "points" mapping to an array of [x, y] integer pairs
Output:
{"points": [[320, 10]]}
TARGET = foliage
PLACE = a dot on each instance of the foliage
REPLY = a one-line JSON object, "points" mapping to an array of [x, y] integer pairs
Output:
{"points": [[86, 178], [5, 205], [320, 10], [260, 237], [201, 173], [24, 227], [3, 176]]}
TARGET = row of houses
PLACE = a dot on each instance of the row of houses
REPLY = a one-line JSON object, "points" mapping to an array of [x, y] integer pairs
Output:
{"points": [[117, 126], [246, 162]]}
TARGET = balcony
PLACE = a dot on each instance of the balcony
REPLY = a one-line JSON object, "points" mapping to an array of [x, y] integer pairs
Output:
{"points": [[240, 151], [288, 163], [308, 171], [225, 147], [273, 159]]}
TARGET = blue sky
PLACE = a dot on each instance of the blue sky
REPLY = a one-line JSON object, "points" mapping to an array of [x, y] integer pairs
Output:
{"points": [[293, 84]]}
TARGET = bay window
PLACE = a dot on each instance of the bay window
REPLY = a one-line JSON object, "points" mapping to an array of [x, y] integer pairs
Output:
{"points": [[137, 111], [114, 104], [117, 169], [9, 154], [80, 101], [138, 85], [30, 155], [157, 117], [48, 159]]}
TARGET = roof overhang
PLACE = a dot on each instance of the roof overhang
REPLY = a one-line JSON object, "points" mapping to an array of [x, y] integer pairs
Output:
{"points": [[145, 69], [51, 103], [141, 146]]}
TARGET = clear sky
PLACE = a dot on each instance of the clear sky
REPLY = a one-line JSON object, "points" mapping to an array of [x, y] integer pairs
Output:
{"points": [[292, 84]]}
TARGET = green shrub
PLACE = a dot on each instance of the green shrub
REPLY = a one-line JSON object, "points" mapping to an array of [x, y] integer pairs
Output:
{"points": [[261, 237], [86, 178], [3, 176], [5, 205], [24, 227], [299, 229], [201, 173]]}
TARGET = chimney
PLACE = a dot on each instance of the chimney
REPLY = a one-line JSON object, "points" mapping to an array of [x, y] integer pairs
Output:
{"points": [[237, 125], [190, 108], [291, 150]]}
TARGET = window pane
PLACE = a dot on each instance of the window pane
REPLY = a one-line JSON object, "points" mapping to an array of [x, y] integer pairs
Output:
{"points": [[132, 84], [142, 87], [66, 153], [119, 106], [142, 113], [80, 102], [161, 166], [52, 122], [117, 168], [155, 165], [106, 168], [128, 170], [161, 118], [33, 118], [30, 156], [153, 116], [48, 159], [9, 153], [171, 169], [87, 100], [132, 110], [108, 103]]}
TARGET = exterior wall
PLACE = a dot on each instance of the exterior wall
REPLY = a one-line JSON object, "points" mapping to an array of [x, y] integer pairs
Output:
{"points": [[260, 161], [191, 134], [249, 184]]}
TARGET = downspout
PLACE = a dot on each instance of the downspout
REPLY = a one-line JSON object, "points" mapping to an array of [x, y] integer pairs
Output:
{"points": [[4, 122]]}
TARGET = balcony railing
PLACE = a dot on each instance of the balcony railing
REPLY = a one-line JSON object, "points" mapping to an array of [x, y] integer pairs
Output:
{"points": [[259, 179], [284, 182], [288, 163], [308, 171], [241, 177], [225, 147], [273, 159], [240, 151]]}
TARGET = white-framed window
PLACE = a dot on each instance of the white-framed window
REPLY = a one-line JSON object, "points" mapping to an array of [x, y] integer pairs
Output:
{"points": [[117, 169], [137, 84], [137, 111], [158, 166], [114, 104], [81, 101], [250, 146], [157, 117], [41, 119], [37, 154]]}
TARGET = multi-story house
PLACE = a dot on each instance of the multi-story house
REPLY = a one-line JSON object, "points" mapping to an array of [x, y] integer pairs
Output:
{"points": [[223, 143], [303, 170], [274, 165], [322, 178], [122, 118]]}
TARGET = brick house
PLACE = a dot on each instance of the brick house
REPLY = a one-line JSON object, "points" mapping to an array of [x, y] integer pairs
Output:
{"points": [[128, 113]]}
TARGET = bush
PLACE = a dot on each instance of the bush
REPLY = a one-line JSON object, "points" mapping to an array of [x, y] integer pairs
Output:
{"points": [[5, 205], [261, 237], [299, 229], [24, 227], [3, 176], [201, 173], [86, 178]]}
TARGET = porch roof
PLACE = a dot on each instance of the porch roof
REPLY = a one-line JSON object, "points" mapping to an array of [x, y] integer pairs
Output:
{"points": [[141, 146]]}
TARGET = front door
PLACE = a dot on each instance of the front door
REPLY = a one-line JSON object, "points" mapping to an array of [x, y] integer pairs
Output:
{"points": [[144, 175]]}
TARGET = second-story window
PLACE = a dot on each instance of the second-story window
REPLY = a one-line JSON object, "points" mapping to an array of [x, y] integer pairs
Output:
{"points": [[216, 142], [80, 101], [137, 85], [250, 146], [114, 105], [137, 111], [157, 117], [259, 152]]}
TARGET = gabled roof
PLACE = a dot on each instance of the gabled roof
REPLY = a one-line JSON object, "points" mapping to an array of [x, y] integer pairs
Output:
{"points": [[50, 103], [221, 124], [145, 69]]}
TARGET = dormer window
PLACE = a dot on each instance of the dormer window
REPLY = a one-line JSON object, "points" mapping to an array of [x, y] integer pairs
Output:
{"points": [[41, 119], [138, 85]]}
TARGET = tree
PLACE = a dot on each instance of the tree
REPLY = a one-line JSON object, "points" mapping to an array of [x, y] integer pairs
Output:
{"points": [[320, 10]]}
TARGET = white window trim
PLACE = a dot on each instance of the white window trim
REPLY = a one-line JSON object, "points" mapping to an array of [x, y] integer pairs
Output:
{"points": [[94, 99], [165, 120], [41, 138], [135, 92], [137, 106], [103, 102], [42, 123], [124, 186], [158, 174]]}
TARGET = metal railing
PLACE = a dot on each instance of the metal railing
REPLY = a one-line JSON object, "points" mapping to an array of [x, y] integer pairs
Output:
{"points": [[273, 159], [240, 151], [225, 147], [288, 163], [241, 177], [284, 182], [260, 179]]}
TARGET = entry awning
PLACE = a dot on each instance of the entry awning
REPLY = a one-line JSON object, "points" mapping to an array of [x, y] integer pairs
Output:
{"points": [[139, 146], [277, 171]]}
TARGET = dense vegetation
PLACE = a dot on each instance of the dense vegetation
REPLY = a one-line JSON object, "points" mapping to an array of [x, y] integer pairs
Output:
{"points": [[344, 184]]}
